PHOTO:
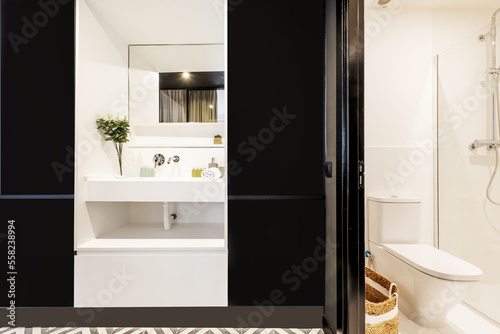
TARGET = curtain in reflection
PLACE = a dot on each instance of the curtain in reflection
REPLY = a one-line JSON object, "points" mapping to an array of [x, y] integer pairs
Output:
{"points": [[173, 105], [202, 106]]}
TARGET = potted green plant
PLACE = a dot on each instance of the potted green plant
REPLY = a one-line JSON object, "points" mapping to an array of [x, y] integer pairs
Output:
{"points": [[116, 130], [217, 139]]}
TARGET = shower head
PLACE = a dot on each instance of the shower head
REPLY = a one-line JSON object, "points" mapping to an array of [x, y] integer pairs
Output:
{"points": [[380, 3]]}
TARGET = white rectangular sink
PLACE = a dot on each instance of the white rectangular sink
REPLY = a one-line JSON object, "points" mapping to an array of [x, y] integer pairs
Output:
{"points": [[152, 189]]}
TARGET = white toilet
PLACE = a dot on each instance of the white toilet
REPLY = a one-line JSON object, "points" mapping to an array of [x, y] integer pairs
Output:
{"points": [[430, 282]]}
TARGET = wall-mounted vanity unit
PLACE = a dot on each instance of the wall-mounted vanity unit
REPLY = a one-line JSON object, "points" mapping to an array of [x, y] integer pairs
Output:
{"points": [[158, 240]]}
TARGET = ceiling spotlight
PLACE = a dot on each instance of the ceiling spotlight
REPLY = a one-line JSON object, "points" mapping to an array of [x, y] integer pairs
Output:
{"points": [[383, 2], [185, 75]]}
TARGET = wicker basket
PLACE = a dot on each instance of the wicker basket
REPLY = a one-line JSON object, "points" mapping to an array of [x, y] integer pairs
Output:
{"points": [[381, 304]]}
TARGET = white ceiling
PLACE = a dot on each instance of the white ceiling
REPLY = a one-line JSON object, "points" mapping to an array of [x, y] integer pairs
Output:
{"points": [[177, 58], [162, 21], [202, 21], [445, 4]]}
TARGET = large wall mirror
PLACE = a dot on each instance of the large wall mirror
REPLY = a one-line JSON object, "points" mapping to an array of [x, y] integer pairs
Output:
{"points": [[176, 84]]}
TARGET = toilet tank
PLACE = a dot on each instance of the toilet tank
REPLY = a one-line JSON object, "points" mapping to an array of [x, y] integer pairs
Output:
{"points": [[393, 220]]}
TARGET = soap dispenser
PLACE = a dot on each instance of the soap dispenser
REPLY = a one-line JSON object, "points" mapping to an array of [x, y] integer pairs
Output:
{"points": [[213, 164]]}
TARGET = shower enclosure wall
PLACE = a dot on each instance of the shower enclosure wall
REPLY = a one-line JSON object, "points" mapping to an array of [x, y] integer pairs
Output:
{"points": [[468, 223]]}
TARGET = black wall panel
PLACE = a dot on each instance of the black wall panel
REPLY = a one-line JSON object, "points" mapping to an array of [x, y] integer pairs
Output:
{"points": [[37, 150], [276, 152], [43, 252], [276, 97], [276, 248], [37, 97]]}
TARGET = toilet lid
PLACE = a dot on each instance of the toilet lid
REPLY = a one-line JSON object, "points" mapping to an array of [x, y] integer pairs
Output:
{"points": [[435, 262]]}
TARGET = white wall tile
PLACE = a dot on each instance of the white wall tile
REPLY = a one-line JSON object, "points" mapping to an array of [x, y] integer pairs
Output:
{"points": [[398, 87]]}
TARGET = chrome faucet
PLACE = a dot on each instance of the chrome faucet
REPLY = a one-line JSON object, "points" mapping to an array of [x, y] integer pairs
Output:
{"points": [[159, 159], [175, 158]]}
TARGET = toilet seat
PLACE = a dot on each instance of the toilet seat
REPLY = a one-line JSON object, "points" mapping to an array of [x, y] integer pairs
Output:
{"points": [[435, 262]]}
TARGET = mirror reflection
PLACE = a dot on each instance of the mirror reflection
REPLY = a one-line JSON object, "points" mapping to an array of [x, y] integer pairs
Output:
{"points": [[176, 84], [191, 97]]}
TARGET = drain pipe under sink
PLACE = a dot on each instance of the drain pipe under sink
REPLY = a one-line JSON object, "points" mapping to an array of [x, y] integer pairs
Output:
{"points": [[167, 216]]}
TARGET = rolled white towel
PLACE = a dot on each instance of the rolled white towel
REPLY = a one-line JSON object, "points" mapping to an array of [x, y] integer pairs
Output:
{"points": [[211, 173], [206, 174]]}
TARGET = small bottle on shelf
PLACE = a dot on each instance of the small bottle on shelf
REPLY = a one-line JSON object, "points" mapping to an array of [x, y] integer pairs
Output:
{"points": [[213, 164]]}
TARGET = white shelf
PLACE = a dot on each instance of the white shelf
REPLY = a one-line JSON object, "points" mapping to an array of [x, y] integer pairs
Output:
{"points": [[159, 144], [177, 135], [179, 129], [154, 189], [137, 237]]}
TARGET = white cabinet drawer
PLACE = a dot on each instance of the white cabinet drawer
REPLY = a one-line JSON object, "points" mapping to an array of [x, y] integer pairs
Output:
{"points": [[159, 279]]}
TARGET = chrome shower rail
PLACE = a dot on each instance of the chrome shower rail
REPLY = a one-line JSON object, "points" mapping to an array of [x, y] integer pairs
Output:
{"points": [[490, 143], [494, 73]]}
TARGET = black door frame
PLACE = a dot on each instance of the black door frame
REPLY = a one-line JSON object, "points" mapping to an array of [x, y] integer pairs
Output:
{"points": [[350, 167]]}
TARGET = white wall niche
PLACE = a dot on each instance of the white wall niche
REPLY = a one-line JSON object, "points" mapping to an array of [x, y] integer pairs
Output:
{"points": [[110, 235]]}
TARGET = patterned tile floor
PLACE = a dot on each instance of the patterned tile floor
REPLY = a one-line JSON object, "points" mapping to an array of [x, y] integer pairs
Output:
{"points": [[461, 320], [122, 330]]}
